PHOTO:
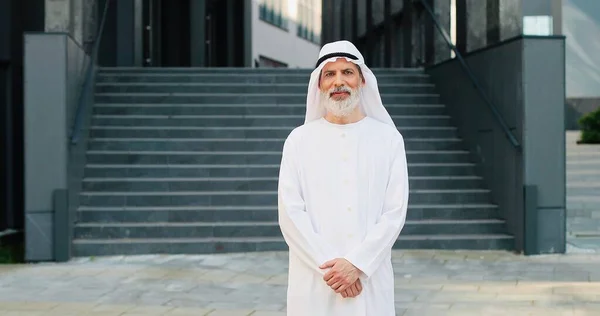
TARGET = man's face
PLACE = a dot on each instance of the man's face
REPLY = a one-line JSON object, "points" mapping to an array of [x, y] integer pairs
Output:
{"points": [[338, 74]]}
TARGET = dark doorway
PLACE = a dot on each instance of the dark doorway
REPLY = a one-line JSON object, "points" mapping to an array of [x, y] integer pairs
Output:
{"points": [[224, 33], [168, 38], [16, 18], [166, 33], [216, 33], [224, 38]]}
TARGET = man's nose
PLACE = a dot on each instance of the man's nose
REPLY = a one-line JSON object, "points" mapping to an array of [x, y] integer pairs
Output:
{"points": [[338, 81]]}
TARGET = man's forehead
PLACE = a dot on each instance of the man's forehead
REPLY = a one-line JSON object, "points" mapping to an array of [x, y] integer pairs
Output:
{"points": [[340, 63]]}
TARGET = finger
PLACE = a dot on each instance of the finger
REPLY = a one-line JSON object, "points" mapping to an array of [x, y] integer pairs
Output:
{"points": [[336, 287], [342, 287], [328, 264], [330, 274], [352, 290], [333, 280], [344, 294], [359, 286]]}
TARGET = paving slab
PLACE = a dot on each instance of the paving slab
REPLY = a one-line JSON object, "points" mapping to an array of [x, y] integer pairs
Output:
{"points": [[427, 282]]}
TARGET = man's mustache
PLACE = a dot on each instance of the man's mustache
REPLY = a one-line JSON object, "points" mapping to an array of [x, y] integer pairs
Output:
{"points": [[340, 89]]}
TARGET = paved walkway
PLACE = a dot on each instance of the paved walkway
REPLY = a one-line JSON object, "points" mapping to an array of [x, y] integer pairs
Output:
{"points": [[583, 195], [427, 283]]}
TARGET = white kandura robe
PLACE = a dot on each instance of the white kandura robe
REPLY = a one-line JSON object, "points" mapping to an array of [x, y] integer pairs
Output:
{"points": [[343, 192]]}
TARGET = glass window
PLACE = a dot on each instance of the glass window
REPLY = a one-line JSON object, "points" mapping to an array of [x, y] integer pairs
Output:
{"points": [[309, 20], [274, 12]]}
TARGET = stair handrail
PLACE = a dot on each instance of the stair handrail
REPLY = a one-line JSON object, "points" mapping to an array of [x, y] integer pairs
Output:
{"points": [[87, 86], [510, 135]]}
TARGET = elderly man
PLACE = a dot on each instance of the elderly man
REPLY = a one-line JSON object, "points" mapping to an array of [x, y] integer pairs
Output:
{"points": [[343, 193]]}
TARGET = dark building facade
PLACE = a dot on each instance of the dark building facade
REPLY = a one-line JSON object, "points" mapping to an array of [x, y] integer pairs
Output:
{"points": [[401, 33], [16, 17], [143, 33], [160, 33]]}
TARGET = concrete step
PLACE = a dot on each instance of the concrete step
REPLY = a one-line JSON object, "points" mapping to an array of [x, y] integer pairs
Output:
{"points": [[241, 157], [247, 120], [241, 132], [298, 78], [259, 213], [232, 144], [264, 229], [186, 160], [238, 70], [245, 98], [133, 246], [244, 109], [165, 184], [583, 189], [135, 170], [589, 202], [583, 165], [196, 87], [226, 198], [582, 177]]}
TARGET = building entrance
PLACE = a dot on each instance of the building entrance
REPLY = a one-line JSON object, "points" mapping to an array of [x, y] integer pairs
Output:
{"points": [[166, 33]]}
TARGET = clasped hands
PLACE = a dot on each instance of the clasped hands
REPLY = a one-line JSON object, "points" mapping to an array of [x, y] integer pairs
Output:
{"points": [[342, 277]]}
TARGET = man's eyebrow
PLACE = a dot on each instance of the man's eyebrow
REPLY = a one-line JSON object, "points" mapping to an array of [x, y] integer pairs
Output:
{"points": [[345, 69]]}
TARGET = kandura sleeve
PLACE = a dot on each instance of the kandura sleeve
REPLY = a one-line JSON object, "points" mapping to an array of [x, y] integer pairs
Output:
{"points": [[368, 255], [294, 221]]}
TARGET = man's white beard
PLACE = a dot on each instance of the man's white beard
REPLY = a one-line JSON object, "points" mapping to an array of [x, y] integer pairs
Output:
{"points": [[340, 108]]}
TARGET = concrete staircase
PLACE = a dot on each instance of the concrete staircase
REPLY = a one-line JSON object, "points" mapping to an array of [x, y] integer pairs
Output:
{"points": [[186, 161], [583, 194]]}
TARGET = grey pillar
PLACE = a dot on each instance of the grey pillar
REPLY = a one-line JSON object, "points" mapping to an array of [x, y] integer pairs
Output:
{"points": [[354, 21], [52, 82], [248, 33], [369, 49], [510, 18], [493, 21], [138, 33], [342, 22], [437, 49], [407, 33], [324, 21], [197, 33], [471, 30], [46, 152], [544, 143], [557, 6], [71, 16], [388, 35], [328, 27], [58, 16], [125, 35], [77, 17]]}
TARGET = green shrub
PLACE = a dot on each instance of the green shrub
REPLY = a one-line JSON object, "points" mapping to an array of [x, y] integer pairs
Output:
{"points": [[590, 128]]}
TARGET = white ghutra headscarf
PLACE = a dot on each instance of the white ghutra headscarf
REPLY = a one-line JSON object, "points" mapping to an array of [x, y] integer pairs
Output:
{"points": [[370, 100]]}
